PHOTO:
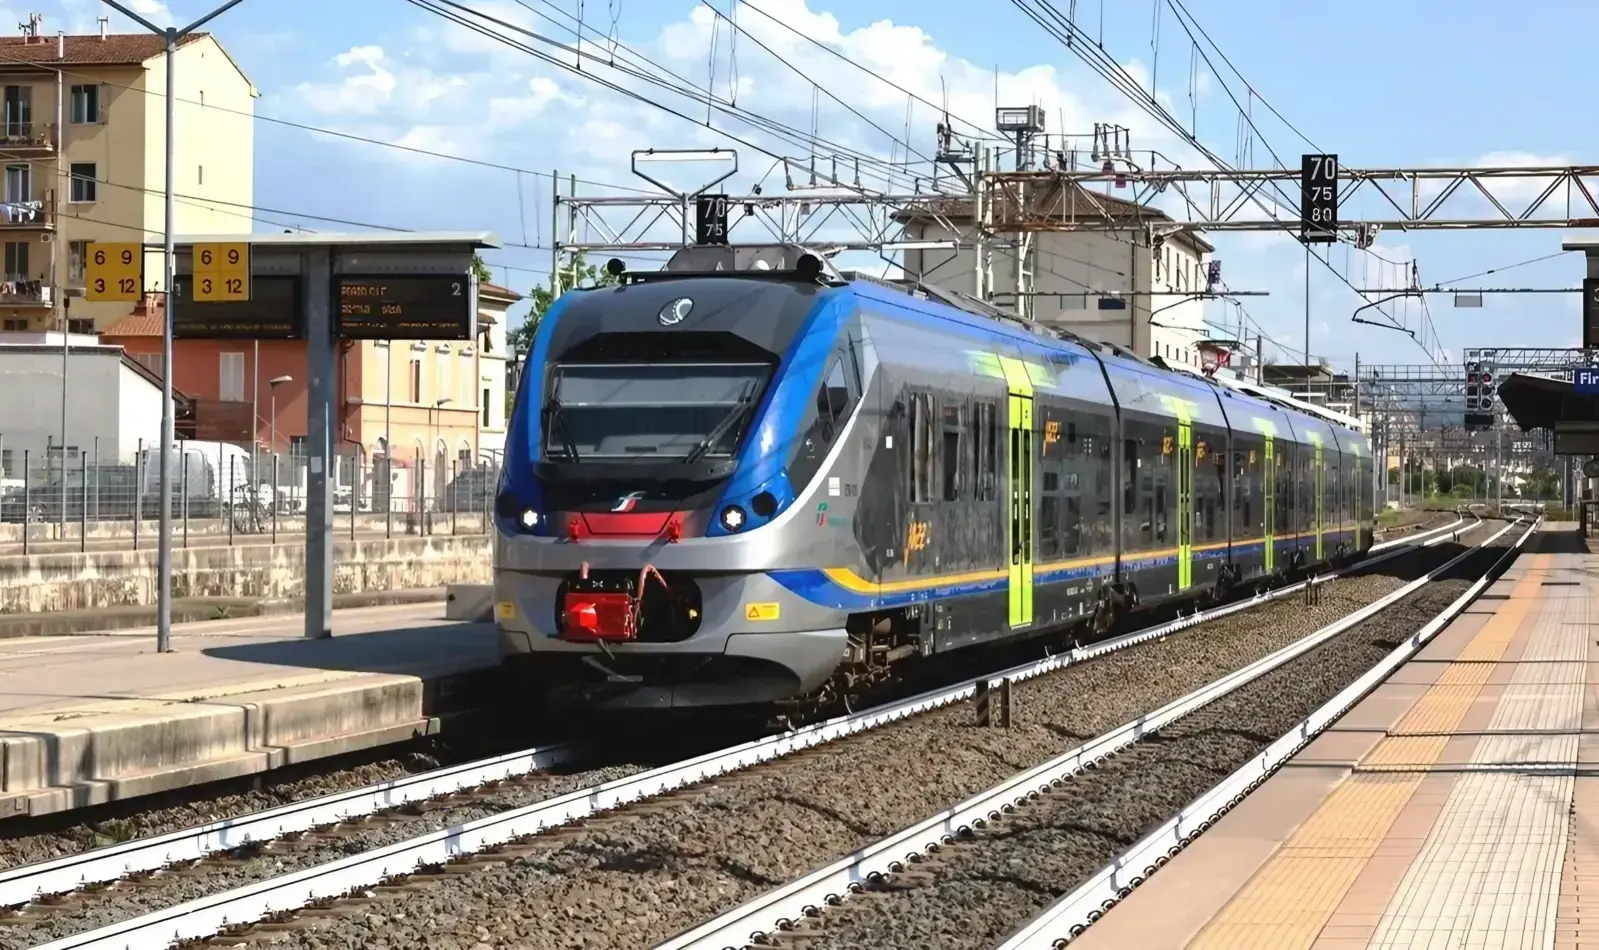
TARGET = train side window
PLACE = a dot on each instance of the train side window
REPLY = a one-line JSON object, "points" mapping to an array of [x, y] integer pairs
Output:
{"points": [[985, 463], [954, 449], [1049, 517], [924, 451]]}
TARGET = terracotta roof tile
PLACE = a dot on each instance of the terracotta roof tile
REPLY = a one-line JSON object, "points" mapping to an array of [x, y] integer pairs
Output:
{"points": [[117, 49], [136, 324]]}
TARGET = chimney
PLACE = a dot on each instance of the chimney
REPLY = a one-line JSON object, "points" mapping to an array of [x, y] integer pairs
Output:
{"points": [[105, 22], [61, 46]]}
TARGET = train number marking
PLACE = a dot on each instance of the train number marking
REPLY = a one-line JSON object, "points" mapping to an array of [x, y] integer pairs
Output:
{"points": [[762, 612], [916, 536]]}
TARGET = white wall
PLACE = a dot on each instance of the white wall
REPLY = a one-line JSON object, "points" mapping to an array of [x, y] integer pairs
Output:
{"points": [[138, 412], [30, 401]]}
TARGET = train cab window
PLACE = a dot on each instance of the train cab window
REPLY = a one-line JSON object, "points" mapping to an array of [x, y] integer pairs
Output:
{"points": [[832, 400]]}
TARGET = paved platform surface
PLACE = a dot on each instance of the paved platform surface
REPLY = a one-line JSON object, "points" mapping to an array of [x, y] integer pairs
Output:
{"points": [[85, 720], [1456, 807]]}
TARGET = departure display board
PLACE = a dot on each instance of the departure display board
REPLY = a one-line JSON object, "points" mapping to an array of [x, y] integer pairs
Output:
{"points": [[274, 311], [404, 307]]}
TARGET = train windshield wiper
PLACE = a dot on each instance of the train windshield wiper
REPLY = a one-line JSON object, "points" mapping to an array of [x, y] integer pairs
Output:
{"points": [[553, 421], [745, 400]]}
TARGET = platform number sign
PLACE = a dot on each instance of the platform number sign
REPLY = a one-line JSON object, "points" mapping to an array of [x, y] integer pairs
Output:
{"points": [[222, 272], [1590, 312], [1318, 199], [710, 219], [113, 272]]}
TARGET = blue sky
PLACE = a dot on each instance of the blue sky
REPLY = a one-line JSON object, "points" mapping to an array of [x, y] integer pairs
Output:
{"points": [[1423, 83]]}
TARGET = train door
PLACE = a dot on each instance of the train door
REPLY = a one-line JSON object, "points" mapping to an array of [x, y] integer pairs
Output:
{"points": [[1320, 483], [1185, 505], [1268, 484], [1021, 509], [1356, 486]]}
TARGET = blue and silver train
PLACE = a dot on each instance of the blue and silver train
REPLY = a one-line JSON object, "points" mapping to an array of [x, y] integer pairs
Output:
{"points": [[753, 487]]}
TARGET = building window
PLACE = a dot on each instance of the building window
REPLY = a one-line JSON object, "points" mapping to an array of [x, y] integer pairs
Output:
{"points": [[416, 381], [14, 325], [16, 260], [86, 104], [488, 415], [7, 457], [83, 182], [230, 378], [80, 325], [77, 251], [150, 361]]}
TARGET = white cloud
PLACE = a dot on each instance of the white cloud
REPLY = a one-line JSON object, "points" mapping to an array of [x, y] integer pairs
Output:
{"points": [[153, 10]]}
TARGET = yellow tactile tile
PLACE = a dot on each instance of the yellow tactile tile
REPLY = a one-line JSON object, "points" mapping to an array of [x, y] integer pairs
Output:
{"points": [[1290, 900]]}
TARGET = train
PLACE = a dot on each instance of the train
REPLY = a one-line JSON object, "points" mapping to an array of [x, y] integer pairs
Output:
{"points": [[780, 486]]}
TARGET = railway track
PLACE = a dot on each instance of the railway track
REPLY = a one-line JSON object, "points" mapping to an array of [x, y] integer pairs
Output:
{"points": [[1074, 827], [330, 852]]}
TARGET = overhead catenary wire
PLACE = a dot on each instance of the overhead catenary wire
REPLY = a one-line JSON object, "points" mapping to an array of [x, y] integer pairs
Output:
{"points": [[1049, 18], [463, 14]]}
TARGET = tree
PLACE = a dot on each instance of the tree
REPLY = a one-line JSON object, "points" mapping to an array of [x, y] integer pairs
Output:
{"points": [[577, 273], [481, 270]]}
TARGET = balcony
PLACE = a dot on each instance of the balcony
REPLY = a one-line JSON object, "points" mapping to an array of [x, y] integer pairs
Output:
{"points": [[25, 293], [36, 215], [27, 136]]}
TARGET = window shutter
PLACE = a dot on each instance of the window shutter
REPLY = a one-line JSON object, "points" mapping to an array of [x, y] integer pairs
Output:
{"points": [[105, 100]]}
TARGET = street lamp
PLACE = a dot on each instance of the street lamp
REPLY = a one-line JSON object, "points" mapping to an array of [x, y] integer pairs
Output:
{"points": [[272, 390], [163, 597], [438, 465]]}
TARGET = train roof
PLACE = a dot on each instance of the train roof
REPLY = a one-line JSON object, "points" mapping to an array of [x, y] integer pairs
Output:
{"points": [[757, 263]]}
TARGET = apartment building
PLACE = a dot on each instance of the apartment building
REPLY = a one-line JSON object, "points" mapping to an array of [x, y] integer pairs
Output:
{"points": [[83, 138], [1118, 285]]}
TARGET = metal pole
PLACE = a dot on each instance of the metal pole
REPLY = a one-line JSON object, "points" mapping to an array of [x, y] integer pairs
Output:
{"points": [[65, 349], [255, 426], [321, 362], [163, 614], [388, 445], [1307, 321]]}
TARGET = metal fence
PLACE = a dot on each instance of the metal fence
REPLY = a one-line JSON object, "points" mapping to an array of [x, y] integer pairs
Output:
{"points": [[221, 494]]}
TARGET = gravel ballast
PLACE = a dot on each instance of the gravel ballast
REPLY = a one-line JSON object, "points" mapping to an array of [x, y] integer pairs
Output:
{"points": [[645, 874], [979, 891]]}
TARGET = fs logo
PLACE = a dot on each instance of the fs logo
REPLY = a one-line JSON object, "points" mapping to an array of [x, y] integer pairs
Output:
{"points": [[628, 502]]}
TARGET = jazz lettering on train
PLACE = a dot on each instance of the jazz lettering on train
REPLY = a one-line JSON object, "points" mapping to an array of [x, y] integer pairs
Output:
{"points": [[916, 536]]}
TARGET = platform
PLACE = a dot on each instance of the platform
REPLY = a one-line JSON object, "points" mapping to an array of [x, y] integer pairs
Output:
{"points": [[1457, 806], [86, 720]]}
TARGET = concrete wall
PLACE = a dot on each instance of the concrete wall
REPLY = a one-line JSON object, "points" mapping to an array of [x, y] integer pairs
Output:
{"points": [[54, 582], [30, 400]]}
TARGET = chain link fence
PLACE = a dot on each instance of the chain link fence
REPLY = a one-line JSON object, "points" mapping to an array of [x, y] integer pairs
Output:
{"points": [[222, 494]]}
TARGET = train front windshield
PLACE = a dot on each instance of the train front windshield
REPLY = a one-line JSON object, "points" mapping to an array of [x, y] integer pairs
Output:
{"points": [[649, 412]]}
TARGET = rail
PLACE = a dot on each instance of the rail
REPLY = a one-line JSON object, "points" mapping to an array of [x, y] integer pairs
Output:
{"points": [[1072, 914], [209, 916], [777, 909]]}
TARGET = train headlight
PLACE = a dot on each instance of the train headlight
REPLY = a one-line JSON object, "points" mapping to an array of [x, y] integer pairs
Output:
{"points": [[529, 519], [732, 517]]}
